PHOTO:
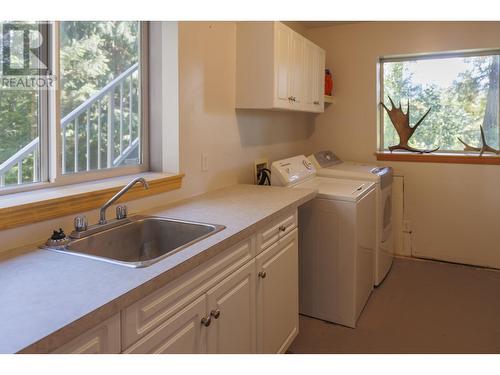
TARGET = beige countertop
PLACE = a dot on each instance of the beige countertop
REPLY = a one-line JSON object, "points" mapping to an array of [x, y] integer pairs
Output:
{"points": [[48, 298]]}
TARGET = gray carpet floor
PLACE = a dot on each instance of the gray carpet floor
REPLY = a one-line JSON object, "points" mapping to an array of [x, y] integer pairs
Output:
{"points": [[421, 307]]}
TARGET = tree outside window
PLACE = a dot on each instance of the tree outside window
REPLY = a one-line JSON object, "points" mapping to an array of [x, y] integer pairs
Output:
{"points": [[463, 92]]}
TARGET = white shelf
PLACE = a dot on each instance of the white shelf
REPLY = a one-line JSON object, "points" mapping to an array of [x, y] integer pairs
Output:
{"points": [[328, 99]]}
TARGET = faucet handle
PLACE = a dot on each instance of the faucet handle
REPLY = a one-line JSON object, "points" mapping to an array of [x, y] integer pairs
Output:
{"points": [[121, 211], [81, 223]]}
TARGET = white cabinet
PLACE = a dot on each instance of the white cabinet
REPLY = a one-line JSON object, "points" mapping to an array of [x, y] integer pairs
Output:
{"points": [[298, 83], [144, 315], [221, 320], [277, 295], [290, 73], [231, 308], [276, 229], [277, 68], [183, 333], [314, 76], [284, 71], [102, 339], [236, 302]]}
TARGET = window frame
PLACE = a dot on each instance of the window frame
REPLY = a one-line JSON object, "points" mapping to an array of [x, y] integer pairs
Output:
{"points": [[44, 107], [50, 127], [380, 94]]}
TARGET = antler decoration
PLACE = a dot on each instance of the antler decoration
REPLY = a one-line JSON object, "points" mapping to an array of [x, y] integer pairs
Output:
{"points": [[483, 148], [401, 122]]}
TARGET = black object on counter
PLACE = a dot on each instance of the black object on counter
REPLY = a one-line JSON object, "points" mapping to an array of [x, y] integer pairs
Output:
{"points": [[263, 177], [58, 235]]}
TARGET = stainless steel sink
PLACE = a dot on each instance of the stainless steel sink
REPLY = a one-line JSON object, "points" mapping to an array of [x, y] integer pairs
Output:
{"points": [[140, 241]]}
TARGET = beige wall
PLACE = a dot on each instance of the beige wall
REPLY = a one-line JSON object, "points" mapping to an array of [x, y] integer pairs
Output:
{"points": [[208, 124], [453, 209]]}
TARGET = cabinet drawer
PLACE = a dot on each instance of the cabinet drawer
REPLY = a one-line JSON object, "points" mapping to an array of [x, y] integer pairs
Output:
{"points": [[276, 230], [102, 339], [147, 313]]}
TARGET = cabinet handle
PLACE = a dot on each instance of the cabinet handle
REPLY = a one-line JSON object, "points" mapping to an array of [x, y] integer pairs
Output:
{"points": [[290, 98], [215, 313], [282, 228], [206, 321], [262, 274], [294, 98], [316, 102]]}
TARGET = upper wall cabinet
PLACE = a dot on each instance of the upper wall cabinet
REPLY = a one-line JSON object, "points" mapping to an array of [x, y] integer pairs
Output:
{"points": [[277, 68]]}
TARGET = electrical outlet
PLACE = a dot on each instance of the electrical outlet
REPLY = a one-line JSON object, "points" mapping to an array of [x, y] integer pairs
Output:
{"points": [[204, 162], [259, 164]]}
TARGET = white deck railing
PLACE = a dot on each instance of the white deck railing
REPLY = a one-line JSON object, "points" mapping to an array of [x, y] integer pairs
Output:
{"points": [[107, 94], [115, 152], [17, 160]]}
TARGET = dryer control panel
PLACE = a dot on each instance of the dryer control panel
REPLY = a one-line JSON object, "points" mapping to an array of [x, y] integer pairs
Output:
{"points": [[325, 159], [288, 172]]}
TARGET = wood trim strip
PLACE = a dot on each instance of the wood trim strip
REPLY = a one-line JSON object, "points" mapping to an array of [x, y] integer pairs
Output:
{"points": [[438, 158], [11, 217]]}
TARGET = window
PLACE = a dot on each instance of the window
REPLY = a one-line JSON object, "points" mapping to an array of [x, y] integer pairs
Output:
{"points": [[22, 123], [82, 117], [461, 89]]}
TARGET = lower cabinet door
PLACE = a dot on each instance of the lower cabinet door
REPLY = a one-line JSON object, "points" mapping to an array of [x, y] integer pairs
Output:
{"points": [[183, 333], [277, 295], [102, 339], [231, 306]]}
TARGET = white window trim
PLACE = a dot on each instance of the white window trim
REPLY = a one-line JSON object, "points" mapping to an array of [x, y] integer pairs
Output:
{"points": [[164, 96]]}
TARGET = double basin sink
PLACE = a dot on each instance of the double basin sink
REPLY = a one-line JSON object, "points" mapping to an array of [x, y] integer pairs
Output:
{"points": [[139, 241]]}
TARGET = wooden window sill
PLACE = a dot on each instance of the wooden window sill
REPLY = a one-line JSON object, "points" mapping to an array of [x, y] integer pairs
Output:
{"points": [[30, 207], [454, 158]]}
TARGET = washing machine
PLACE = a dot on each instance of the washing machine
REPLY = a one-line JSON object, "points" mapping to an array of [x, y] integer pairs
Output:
{"points": [[327, 164], [336, 241]]}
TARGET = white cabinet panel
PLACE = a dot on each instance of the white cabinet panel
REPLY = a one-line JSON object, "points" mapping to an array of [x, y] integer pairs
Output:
{"points": [[277, 68], [277, 295], [314, 73], [183, 333], [275, 230], [102, 339], [228, 310], [231, 306], [318, 78], [309, 61], [147, 313], [283, 67], [298, 72]]}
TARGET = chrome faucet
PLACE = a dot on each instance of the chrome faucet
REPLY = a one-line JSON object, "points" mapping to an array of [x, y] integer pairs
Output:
{"points": [[102, 210]]}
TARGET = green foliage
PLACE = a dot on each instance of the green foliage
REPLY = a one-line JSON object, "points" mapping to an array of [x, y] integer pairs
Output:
{"points": [[457, 110], [18, 121], [91, 55]]}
